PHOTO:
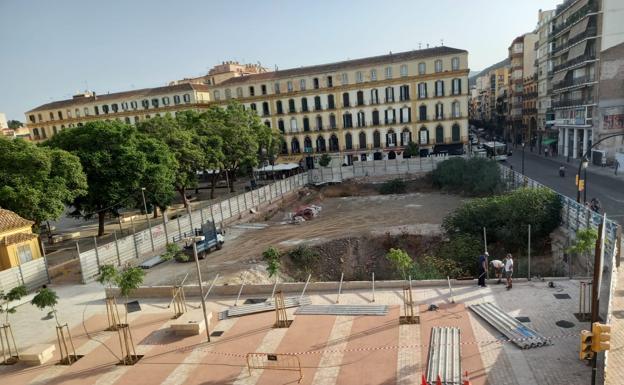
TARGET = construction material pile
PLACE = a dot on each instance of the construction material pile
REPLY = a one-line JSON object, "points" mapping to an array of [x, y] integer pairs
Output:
{"points": [[305, 213]]}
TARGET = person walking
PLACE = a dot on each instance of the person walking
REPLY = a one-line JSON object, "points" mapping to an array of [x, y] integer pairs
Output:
{"points": [[498, 266], [509, 270], [483, 268], [546, 152]]}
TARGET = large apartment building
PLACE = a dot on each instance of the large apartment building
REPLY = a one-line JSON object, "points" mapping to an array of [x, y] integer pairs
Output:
{"points": [[545, 116], [362, 109], [522, 65]]}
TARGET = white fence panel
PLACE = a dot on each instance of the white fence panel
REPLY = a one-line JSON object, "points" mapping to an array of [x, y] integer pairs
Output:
{"points": [[10, 278], [126, 249], [158, 232], [88, 266], [34, 273], [107, 254]]}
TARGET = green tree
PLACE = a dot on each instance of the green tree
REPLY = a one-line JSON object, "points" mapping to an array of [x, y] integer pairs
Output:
{"points": [[210, 142], [411, 150], [402, 262], [15, 294], [37, 182], [180, 136], [129, 280], [463, 249], [46, 298], [108, 275], [584, 244], [112, 156], [14, 124], [160, 173], [325, 160], [272, 257], [472, 177]]}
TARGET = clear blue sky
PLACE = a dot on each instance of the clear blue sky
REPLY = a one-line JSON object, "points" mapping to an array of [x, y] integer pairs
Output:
{"points": [[51, 49]]}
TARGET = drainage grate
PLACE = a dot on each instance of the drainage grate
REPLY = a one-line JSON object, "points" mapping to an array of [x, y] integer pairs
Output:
{"points": [[216, 333], [523, 319], [133, 306], [564, 324], [251, 301], [562, 296]]}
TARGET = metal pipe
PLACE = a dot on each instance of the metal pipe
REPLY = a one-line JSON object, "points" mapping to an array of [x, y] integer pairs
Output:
{"points": [[305, 286], [373, 287], [211, 286], [241, 289], [339, 287]]}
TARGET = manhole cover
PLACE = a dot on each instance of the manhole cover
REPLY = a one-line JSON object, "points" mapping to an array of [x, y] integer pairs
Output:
{"points": [[564, 324], [523, 319], [562, 296], [216, 333], [251, 301]]}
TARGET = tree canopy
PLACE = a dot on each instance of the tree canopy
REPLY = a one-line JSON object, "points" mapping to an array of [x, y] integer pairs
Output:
{"points": [[38, 182]]}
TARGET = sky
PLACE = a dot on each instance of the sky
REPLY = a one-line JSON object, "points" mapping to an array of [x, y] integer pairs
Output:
{"points": [[49, 50]]}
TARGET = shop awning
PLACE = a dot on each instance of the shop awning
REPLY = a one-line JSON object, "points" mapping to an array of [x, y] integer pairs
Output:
{"points": [[578, 28], [558, 77], [278, 167], [289, 159], [577, 50], [549, 141]]}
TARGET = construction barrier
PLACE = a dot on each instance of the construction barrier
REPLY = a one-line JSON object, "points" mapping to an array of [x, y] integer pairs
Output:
{"points": [[31, 274]]}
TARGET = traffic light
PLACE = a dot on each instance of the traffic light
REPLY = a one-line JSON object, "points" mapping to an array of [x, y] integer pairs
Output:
{"points": [[581, 185], [586, 345], [601, 337], [576, 180]]}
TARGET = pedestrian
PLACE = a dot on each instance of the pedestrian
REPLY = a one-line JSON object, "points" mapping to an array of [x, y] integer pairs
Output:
{"points": [[617, 165], [546, 152], [509, 270], [483, 268], [603, 161], [498, 269]]}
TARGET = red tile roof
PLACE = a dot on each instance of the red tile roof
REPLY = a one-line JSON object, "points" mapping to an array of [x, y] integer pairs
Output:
{"points": [[9, 220]]}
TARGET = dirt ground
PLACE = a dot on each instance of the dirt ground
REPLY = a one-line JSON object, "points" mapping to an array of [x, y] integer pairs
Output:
{"points": [[341, 217]]}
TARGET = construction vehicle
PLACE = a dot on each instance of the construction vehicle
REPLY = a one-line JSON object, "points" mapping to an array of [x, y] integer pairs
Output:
{"points": [[206, 238]]}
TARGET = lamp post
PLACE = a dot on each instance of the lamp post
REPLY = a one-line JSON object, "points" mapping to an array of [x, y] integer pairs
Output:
{"points": [[523, 144], [149, 225], [199, 277], [582, 183]]}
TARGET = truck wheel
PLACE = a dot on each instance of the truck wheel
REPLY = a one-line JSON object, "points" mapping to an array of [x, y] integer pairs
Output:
{"points": [[219, 246]]}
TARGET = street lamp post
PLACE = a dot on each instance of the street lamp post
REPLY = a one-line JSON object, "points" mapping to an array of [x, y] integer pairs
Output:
{"points": [[199, 277], [523, 144], [149, 225]]}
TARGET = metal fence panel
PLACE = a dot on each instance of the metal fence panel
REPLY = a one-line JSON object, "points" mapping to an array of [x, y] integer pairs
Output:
{"points": [[88, 266], [34, 273], [10, 278]]}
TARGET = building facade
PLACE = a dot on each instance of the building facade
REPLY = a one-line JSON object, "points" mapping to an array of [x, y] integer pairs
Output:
{"points": [[522, 64], [575, 55], [529, 111], [18, 244], [545, 115], [130, 107], [362, 109]]}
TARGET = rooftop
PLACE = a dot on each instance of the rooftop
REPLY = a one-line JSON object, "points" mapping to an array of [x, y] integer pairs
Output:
{"points": [[10, 220]]}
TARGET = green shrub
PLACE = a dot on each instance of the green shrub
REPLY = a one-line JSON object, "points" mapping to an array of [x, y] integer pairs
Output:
{"points": [[171, 250], [394, 186], [401, 261], [304, 257], [325, 160], [506, 217], [431, 267], [463, 249], [272, 257], [472, 176]]}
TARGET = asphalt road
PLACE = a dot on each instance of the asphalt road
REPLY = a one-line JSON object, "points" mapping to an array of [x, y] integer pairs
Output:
{"points": [[609, 189]]}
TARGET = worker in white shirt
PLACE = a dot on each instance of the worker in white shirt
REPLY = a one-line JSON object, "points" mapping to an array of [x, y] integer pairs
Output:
{"points": [[509, 270], [498, 266]]}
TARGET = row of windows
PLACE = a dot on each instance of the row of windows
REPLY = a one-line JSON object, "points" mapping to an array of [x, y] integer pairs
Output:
{"points": [[116, 107], [404, 95], [390, 116], [404, 138], [344, 78]]}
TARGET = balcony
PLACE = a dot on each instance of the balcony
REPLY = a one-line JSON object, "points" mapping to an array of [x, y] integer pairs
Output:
{"points": [[589, 32], [575, 61], [572, 102], [576, 16], [575, 82]]}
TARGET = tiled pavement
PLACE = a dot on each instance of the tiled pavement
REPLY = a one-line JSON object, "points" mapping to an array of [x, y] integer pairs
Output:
{"points": [[614, 372]]}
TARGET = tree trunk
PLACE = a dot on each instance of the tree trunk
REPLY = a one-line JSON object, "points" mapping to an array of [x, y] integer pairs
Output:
{"points": [[213, 183], [182, 191], [155, 211], [101, 215], [230, 180]]}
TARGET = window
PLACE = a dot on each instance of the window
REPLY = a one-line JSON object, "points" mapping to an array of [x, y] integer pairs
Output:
{"points": [[406, 137], [228, 94], [280, 125], [278, 106], [362, 140], [134, 105], [54, 130], [438, 66], [114, 107], [289, 86], [330, 81], [455, 137], [347, 120], [252, 91], [315, 83], [24, 253], [391, 139], [345, 99], [376, 139], [86, 110], [388, 72], [359, 78], [60, 115], [304, 104], [439, 134], [136, 119], [455, 64], [51, 115], [319, 122], [390, 116], [423, 135], [333, 144], [405, 115], [293, 125], [253, 107], [176, 100], [373, 74], [422, 68], [77, 111], [68, 113], [276, 88], [375, 118], [320, 144], [348, 142], [422, 90], [31, 118], [239, 92], [291, 105], [404, 92], [361, 119], [306, 124], [439, 111], [267, 123], [294, 146], [186, 98], [403, 69], [345, 78], [422, 113], [332, 121], [263, 89], [127, 120], [41, 118], [389, 94], [456, 86], [105, 109], [360, 98], [439, 88], [317, 103], [36, 132], [330, 102], [124, 106], [455, 109], [374, 96], [155, 102], [307, 145], [302, 84], [265, 108]]}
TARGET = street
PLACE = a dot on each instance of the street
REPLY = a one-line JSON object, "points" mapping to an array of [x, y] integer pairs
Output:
{"points": [[601, 183]]}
